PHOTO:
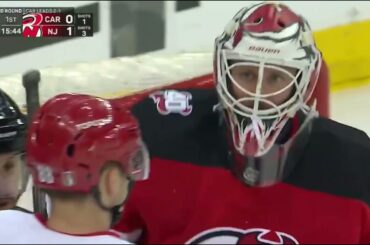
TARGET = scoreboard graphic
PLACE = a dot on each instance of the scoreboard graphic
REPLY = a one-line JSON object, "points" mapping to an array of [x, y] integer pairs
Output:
{"points": [[45, 22]]}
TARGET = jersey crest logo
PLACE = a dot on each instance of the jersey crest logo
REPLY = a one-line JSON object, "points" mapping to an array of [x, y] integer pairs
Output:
{"points": [[172, 101], [229, 235]]}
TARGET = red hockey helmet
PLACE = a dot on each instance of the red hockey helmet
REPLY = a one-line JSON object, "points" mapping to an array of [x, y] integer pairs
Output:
{"points": [[266, 38], [71, 137]]}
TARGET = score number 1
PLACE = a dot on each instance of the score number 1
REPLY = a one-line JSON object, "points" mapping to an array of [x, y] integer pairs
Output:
{"points": [[69, 29]]}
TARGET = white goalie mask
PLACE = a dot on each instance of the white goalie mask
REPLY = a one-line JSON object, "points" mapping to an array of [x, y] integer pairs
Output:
{"points": [[266, 68]]}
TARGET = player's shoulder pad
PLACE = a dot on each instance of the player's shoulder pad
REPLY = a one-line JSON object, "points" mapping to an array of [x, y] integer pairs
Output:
{"points": [[344, 133], [172, 112], [180, 123], [343, 156], [180, 102]]}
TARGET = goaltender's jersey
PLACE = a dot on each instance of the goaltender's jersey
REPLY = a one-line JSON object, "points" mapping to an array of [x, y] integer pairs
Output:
{"points": [[17, 227], [192, 197]]}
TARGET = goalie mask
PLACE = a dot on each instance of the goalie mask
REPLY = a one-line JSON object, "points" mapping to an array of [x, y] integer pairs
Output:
{"points": [[266, 68]]}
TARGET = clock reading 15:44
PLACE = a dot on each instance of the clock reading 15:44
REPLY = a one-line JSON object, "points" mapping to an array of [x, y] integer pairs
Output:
{"points": [[10, 31]]}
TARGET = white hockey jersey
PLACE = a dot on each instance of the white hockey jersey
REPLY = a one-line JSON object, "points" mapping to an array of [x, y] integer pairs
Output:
{"points": [[17, 227]]}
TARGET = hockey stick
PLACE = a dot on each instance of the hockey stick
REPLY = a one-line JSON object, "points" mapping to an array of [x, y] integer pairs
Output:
{"points": [[31, 80]]}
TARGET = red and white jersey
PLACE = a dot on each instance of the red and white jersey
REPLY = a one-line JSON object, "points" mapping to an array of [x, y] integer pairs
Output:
{"points": [[17, 227]]}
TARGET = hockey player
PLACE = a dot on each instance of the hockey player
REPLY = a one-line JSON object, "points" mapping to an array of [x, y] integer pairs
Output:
{"points": [[13, 173], [84, 153], [249, 161]]}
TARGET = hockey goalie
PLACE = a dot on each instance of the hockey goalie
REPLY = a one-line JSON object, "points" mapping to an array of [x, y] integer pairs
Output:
{"points": [[248, 160]]}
